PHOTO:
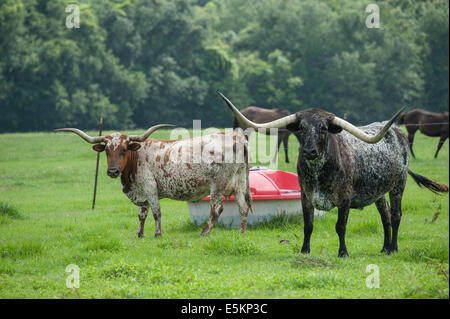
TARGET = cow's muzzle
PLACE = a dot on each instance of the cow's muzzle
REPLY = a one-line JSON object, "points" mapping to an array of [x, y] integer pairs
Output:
{"points": [[113, 172]]}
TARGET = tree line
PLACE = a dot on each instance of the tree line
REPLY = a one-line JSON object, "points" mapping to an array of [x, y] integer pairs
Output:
{"points": [[142, 62]]}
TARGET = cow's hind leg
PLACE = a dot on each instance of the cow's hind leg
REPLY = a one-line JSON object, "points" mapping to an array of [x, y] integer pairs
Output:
{"points": [[143, 211], [384, 210], [395, 197], [244, 203], [216, 210]]}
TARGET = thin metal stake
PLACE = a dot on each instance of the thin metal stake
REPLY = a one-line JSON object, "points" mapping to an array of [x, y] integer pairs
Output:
{"points": [[98, 159]]}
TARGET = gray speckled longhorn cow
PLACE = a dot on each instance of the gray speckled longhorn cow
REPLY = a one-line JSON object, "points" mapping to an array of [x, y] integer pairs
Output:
{"points": [[348, 169], [152, 169]]}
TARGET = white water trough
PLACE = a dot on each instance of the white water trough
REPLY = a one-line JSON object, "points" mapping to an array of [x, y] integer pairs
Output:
{"points": [[274, 193]]}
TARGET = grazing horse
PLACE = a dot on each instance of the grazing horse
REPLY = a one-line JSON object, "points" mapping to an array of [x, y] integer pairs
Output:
{"points": [[260, 115], [429, 123]]}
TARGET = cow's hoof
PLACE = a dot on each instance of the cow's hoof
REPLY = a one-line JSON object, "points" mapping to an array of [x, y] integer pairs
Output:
{"points": [[157, 235], [392, 250], [343, 254], [384, 250], [139, 235], [206, 230], [305, 250]]}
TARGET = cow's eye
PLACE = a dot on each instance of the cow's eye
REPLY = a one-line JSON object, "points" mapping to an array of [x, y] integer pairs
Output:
{"points": [[123, 150]]}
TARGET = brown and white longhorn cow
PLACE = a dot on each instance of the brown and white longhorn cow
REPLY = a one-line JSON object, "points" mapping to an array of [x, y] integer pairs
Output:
{"points": [[186, 170]]}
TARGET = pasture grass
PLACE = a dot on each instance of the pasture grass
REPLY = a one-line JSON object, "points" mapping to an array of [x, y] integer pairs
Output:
{"points": [[46, 224]]}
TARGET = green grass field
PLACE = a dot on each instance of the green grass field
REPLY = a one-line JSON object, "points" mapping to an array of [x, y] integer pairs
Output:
{"points": [[46, 224]]}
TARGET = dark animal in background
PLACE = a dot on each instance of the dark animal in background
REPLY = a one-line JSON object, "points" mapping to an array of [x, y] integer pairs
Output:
{"points": [[429, 123], [260, 115], [152, 169], [343, 166]]}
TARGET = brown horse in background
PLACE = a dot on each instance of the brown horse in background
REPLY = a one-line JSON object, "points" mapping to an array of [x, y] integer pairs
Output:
{"points": [[429, 123], [261, 115]]}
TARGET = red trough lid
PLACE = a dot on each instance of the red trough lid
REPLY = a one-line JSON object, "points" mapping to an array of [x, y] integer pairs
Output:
{"points": [[271, 184]]}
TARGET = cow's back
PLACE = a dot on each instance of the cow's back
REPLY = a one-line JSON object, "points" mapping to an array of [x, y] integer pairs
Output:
{"points": [[185, 169], [380, 166]]}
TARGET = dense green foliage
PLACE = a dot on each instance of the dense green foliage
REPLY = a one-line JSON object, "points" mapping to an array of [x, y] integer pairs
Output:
{"points": [[141, 62], [46, 223]]}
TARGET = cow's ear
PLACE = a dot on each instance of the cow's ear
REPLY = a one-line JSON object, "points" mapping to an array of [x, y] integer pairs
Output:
{"points": [[99, 147], [334, 129], [134, 146]]}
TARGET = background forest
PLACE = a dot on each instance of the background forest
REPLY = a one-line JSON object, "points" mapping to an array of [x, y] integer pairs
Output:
{"points": [[142, 62]]}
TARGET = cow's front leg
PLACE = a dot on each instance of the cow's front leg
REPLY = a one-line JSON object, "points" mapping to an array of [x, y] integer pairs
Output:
{"points": [[341, 226], [156, 210], [308, 218], [143, 211]]}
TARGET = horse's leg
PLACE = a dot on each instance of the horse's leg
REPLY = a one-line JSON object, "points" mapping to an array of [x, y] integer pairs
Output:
{"points": [[441, 142], [285, 144], [411, 133], [278, 147]]}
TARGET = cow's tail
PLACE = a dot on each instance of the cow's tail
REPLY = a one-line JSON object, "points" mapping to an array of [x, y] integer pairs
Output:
{"points": [[432, 186], [248, 194]]}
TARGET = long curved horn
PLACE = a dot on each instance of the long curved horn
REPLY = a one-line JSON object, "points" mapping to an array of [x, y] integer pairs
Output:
{"points": [[280, 123], [84, 136], [372, 139], [141, 138]]}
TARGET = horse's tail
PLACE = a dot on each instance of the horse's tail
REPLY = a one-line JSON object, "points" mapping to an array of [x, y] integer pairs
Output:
{"points": [[432, 186]]}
